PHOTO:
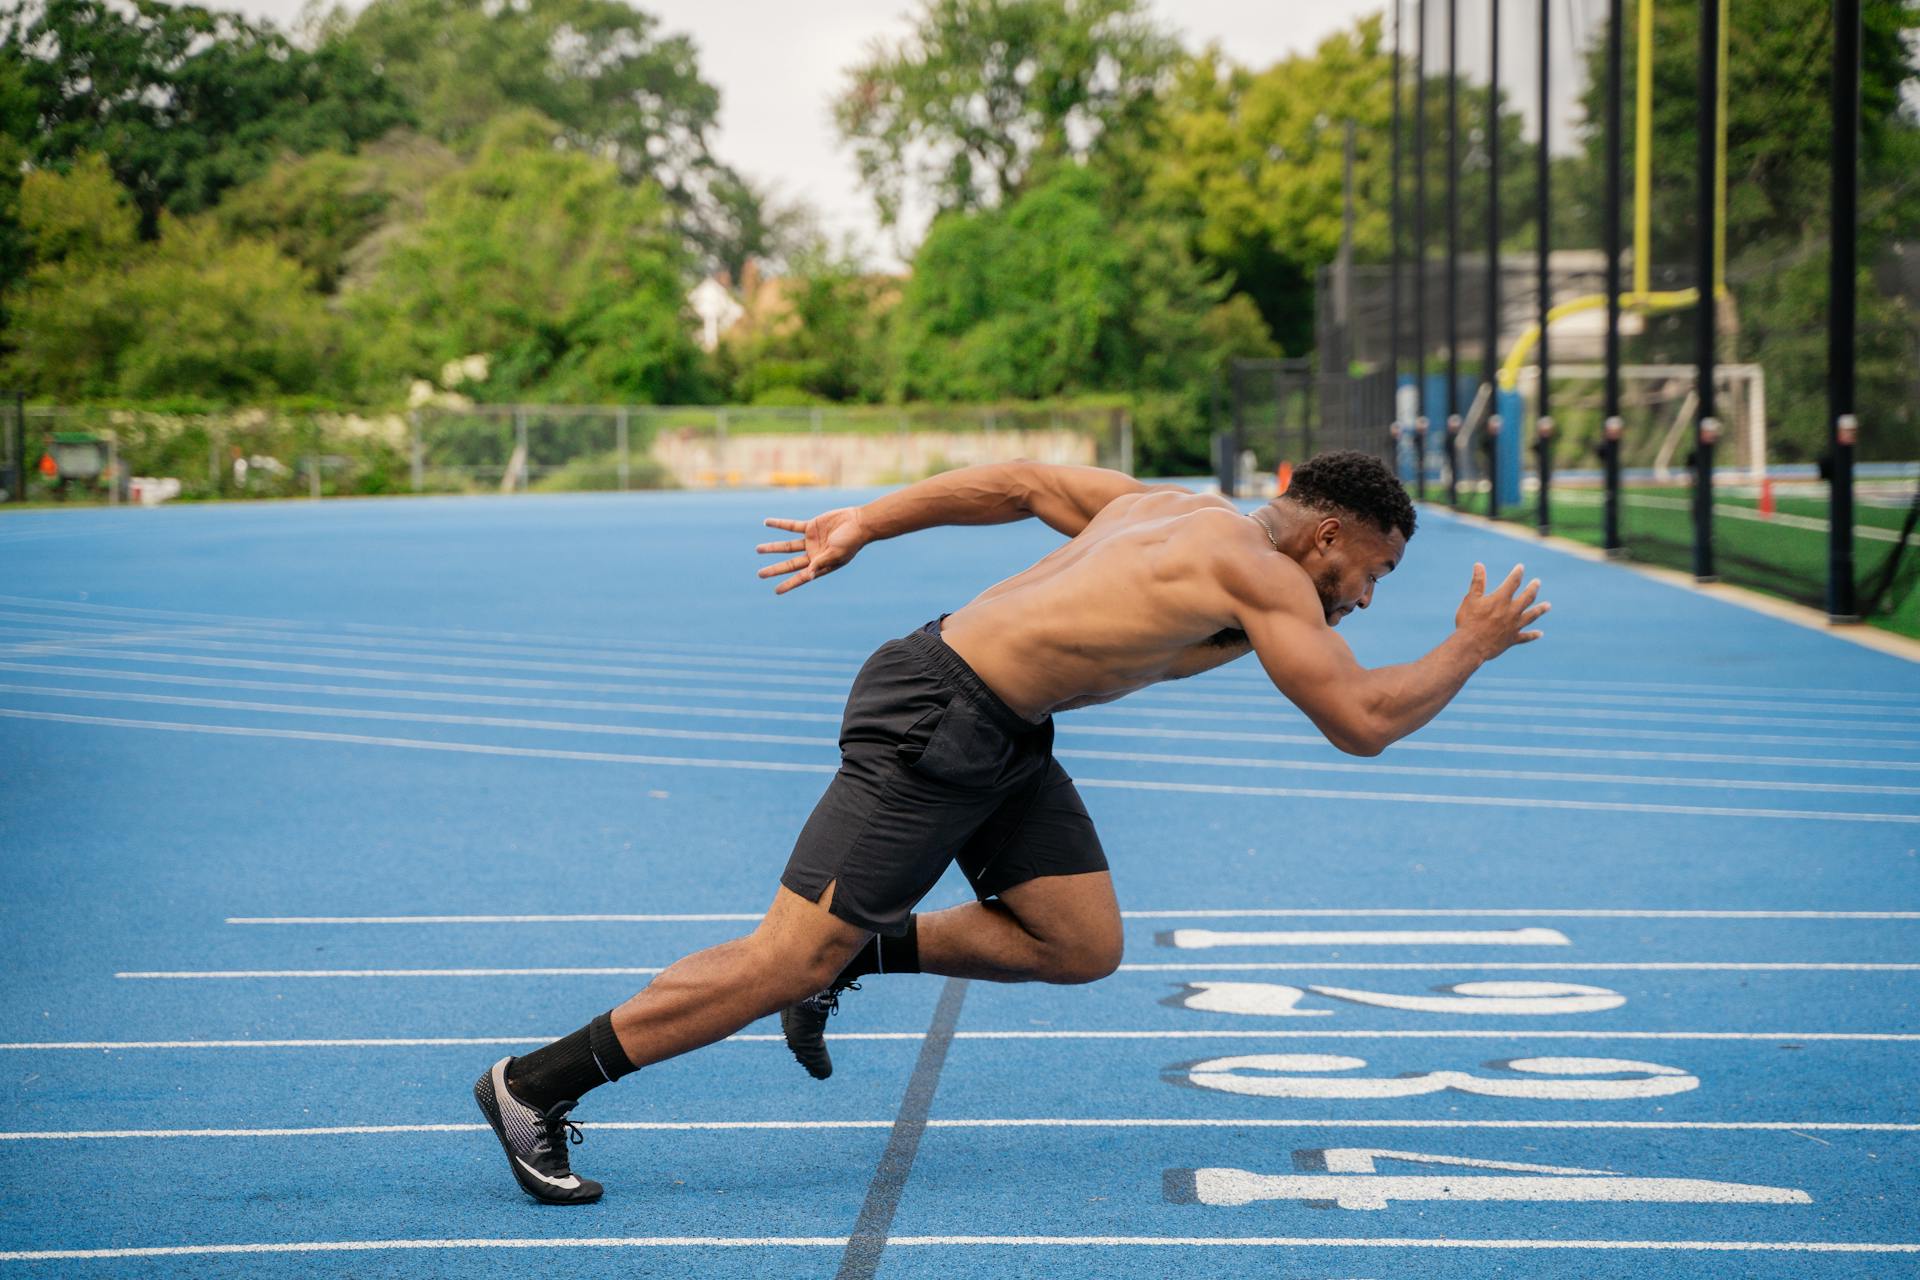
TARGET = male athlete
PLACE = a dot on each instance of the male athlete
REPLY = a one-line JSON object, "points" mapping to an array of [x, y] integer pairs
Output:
{"points": [[946, 749]]}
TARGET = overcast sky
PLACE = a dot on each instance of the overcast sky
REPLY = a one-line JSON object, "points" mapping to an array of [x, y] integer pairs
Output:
{"points": [[778, 65]]}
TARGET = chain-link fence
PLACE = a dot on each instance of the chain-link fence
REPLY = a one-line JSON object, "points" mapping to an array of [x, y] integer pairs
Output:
{"points": [[1591, 205], [97, 454]]}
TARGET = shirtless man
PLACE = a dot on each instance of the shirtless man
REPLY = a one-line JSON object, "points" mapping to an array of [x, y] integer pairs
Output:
{"points": [[946, 749]]}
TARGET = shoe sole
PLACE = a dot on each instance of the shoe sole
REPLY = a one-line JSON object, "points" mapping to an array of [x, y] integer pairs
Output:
{"points": [[819, 1070], [484, 1098]]}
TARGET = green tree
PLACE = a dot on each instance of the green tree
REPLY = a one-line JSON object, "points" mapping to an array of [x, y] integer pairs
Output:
{"points": [[103, 314], [983, 91], [184, 102], [544, 259], [1254, 163], [324, 210], [1047, 297]]}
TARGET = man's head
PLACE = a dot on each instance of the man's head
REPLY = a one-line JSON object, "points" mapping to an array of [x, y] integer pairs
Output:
{"points": [[1353, 519]]}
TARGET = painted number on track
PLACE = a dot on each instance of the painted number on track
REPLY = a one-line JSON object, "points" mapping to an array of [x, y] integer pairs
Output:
{"points": [[1310, 1075], [1349, 1178], [1276, 1000]]}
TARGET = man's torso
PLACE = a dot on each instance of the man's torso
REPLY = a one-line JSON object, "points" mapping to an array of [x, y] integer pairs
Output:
{"points": [[1128, 603]]}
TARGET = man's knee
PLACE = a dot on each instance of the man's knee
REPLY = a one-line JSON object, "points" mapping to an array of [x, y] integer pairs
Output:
{"points": [[1085, 959]]}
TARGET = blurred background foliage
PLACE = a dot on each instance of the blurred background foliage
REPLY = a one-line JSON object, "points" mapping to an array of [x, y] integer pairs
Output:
{"points": [[197, 206]]}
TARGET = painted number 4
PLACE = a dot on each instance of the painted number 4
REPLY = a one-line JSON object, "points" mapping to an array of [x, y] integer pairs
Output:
{"points": [[1350, 1178]]}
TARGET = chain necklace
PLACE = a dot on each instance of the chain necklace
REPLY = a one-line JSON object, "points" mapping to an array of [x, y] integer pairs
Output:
{"points": [[1269, 529]]}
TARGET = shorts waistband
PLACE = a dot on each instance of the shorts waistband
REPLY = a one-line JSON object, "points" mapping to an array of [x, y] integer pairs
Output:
{"points": [[927, 643]]}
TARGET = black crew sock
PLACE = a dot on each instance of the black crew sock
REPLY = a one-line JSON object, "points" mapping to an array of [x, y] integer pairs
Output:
{"points": [[887, 955], [566, 1069]]}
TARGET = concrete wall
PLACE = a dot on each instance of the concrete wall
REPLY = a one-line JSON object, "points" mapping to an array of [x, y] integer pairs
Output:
{"points": [[704, 460]]}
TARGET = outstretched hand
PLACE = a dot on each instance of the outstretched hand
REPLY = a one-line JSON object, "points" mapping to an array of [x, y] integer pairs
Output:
{"points": [[825, 543], [1498, 619]]}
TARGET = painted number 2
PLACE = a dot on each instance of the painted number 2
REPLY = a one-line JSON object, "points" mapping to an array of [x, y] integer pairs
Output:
{"points": [[1276, 1000]]}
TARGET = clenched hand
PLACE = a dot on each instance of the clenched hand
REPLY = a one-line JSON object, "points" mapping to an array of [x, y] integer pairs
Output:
{"points": [[1497, 620], [825, 543]]}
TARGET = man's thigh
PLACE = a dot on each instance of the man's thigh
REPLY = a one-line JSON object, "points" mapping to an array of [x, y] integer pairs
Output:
{"points": [[1043, 834]]}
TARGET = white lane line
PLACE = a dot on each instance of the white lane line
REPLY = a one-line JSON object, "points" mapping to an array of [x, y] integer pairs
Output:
{"points": [[374, 1246], [421, 744], [435, 677], [379, 1042], [1037, 1122], [1401, 1242], [377, 629], [1497, 802], [1144, 707], [1187, 702], [167, 975], [1537, 684], [1648, 966], [1198, 939], [1020, 1242], [826, 743], [1534, 685], [691, 918], [358, 1130], [771, 766], [1541, 966], [774, 658], [1077, 726], [1353, 913], [638, 708], [81, 647], [1137, 711], [1512, 775], [492, 722]]}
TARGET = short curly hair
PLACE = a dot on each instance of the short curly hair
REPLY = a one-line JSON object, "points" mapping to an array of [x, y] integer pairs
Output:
{"points": [[1357, 483]]}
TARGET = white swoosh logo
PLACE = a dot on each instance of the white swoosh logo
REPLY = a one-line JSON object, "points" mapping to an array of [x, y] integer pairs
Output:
{"points": [[567, 1183]]}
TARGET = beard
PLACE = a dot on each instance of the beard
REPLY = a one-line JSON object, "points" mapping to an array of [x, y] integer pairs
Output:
{"points": [[1326, 584]]}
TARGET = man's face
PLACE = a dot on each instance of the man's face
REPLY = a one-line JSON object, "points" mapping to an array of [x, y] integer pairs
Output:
{"points": [[1350, 556]]}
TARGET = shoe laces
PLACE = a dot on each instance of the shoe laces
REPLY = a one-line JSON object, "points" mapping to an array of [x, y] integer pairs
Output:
{"points": [[829, 999], [558, 1130]]}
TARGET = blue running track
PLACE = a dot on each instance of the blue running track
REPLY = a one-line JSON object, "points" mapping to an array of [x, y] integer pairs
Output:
{"points": [[310, 812]]}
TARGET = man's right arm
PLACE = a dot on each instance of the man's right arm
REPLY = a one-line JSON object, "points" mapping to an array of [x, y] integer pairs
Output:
{"points": [[1360, 710]]}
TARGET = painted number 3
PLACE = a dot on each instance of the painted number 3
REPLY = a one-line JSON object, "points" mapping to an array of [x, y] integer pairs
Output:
{"points": [[1310, 1075]]}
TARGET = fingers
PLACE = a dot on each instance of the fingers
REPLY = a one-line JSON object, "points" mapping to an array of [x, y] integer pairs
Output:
{"points": [[1526, 597], [798, 579], [1528, 637], [1511, 582], [774, 548], [1478, 586], [791, 526], [785, 566], [1534, 614]]}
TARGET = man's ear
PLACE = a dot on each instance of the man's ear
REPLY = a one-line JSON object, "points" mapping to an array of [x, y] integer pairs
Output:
{"points": [[1326, 533]]}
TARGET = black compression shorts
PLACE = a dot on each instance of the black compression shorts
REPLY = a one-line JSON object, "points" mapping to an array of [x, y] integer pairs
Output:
{"points": [[934, 769]]}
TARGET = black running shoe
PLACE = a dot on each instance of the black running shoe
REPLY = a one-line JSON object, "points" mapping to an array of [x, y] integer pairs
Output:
{"points": [[805, 1026], [535, 1141]]}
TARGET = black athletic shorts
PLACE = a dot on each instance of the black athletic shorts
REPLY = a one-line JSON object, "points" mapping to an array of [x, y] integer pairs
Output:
{"points": [[934, 768]]}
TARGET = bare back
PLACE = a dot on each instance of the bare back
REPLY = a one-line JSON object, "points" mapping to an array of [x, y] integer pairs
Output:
{"points": [[1134, 599]]}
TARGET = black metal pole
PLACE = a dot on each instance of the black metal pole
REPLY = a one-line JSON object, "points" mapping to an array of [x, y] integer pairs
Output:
{"points": [[1453, 253], [19, 446], [1491, 376], [1706, 425], [1420, 256], [1842, 604], [1543, 422], [1393, 256], [1612, 428]]}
